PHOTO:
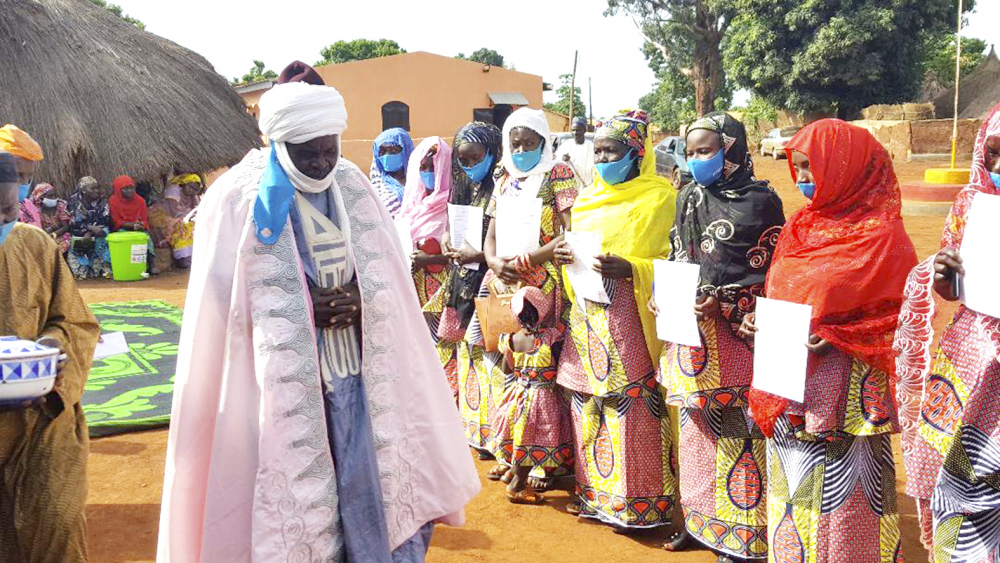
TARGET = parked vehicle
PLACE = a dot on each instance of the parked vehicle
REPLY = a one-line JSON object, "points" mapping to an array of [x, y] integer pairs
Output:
{"points": [[559, 138], [671, 161], [775, 141]]}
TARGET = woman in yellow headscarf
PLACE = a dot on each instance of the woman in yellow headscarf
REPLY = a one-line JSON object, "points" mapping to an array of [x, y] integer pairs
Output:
{"points": [[623, 431], [167, 217]]}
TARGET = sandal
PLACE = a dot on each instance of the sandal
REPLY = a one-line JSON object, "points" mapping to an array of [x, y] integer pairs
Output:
{"points": [[484, 455], [678, 542], [525, 496], [508, 476], [574, 508], [540, 484], [497, 472]]}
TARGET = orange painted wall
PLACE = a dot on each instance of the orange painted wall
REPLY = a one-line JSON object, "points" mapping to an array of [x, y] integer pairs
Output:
{"points": [[441, 92]]}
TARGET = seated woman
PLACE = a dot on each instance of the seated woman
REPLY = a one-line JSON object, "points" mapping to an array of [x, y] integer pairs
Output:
{"points": [[620, 418], [54, 218], [167, 217], [425, 208], [391, 152], [831, 483], [90, 224], [129, 213]]}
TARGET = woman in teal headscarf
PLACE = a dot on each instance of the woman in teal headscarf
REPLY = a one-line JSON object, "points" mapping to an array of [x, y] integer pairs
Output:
{"points": [[390, 151]]}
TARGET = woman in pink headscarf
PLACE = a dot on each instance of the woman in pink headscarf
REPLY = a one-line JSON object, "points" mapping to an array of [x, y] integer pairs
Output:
{"points": [[425, 208]]}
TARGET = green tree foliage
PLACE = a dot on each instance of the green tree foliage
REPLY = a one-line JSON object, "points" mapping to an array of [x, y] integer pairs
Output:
{"points": [[821, 56], [562, 104], [939, 59], [117, 10], [688, 35], [257, 73], [484, 56], [359, 50], [671, 104]]}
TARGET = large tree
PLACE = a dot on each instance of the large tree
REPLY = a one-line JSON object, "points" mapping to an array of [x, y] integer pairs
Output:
{"points": [[939, 58], [561, 105], [256, 73], [484, 56], [689, 35], [358, 50], [834, 56], [671, 104]]}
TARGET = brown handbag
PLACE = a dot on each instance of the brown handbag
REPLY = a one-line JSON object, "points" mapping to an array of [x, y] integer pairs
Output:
{"points": [[495, 315]]}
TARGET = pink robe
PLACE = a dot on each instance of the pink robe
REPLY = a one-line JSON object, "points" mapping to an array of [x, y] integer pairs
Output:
{"points": [[249, 471]]}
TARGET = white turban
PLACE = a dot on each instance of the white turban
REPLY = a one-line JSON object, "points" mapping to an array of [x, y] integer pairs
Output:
{"points": [[535, 120], [297, 113]]}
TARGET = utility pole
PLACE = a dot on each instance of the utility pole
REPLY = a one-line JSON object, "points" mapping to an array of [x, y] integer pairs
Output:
{"points": [[572, 89], [958, 78], [590, 103]]}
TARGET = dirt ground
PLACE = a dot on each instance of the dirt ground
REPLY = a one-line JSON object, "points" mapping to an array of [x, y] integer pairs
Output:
{"points": [[126, 472]]}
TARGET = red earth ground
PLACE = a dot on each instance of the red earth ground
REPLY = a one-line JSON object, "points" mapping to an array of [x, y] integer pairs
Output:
{"points": [[126, 472]]}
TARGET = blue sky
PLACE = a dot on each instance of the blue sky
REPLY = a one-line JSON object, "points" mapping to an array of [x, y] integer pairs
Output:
{"points": [[536, 36]]}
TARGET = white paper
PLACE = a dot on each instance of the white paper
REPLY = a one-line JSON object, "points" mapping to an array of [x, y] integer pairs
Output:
{"points": [[587, 283], [979, 256], [518, 221], [466, 226], [675, 292], [780, 355], [403, 228], [111, 344]]}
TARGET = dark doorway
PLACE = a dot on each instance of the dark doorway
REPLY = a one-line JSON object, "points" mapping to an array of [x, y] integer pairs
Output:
{"points": [[395, 114], [500, 114]]}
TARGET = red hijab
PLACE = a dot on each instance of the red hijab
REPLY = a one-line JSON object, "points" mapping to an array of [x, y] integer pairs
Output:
{"points": [[127, 210], [847, 253]]}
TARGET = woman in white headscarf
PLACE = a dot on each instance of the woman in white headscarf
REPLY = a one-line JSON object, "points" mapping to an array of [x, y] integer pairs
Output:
{"points": [[529, 170], [278, 408]]}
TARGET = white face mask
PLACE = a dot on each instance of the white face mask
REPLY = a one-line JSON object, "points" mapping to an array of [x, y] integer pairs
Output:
{"points": [[50, 202]]}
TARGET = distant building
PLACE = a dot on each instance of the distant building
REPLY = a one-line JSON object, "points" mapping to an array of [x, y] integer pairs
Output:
{"points": [[426, 94]]}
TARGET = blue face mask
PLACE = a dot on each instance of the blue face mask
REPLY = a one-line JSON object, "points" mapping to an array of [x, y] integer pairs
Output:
{"points": [[996, 179], [707, 172], [525, 161], [6, 229], [23, 191], [479, 171], [807, 189], [392, 162], [427, 177], [615, 172]]}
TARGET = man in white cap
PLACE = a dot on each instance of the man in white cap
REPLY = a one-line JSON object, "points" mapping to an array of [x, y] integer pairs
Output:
{"points": [[311, 418]]}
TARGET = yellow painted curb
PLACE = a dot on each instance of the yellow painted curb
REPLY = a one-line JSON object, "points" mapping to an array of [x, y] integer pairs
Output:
{"points": [[946, 176]]}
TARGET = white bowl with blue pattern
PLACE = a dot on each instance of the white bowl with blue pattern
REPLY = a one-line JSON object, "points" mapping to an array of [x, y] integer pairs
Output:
{"points": [[27, 370]]}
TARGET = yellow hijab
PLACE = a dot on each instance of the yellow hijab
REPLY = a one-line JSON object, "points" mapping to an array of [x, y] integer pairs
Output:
{"points": [[634, 218]]}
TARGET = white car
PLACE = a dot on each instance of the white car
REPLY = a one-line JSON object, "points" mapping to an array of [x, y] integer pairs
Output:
{"points": [[774, 143]]}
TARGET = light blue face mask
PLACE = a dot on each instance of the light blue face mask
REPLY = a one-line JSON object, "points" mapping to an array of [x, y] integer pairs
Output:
{"points": [[707, 172], [48, 202], [392, 162], [23, 191], [477, 173], [525, 161], [6, 229], [808, 189], [996, 179], [427, 178], [615, 172]]}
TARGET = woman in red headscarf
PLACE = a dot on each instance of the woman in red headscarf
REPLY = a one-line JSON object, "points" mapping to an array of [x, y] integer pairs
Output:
{"points": [[130, 213], [950, 407], [832, 481]]}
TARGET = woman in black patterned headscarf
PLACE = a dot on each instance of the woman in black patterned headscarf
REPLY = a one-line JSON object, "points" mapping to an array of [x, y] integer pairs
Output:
{"points": [[728, 224], [477, 150]]}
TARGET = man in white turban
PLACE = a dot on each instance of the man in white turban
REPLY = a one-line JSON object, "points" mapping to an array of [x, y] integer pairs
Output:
{"points": [[311, 417]]}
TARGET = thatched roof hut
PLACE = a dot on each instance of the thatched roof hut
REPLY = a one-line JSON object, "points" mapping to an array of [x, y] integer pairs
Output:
{"points": [[978, 92], [105, 98]]}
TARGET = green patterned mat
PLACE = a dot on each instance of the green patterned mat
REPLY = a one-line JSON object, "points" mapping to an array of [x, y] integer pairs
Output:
{"points": [[134, 391]]}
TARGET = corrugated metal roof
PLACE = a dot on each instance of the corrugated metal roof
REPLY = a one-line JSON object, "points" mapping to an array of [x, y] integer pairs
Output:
{"points": [[509, 98]]}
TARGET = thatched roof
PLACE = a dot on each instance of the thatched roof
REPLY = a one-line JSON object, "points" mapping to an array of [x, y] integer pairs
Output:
{"points": [[105, 98], [978, 92]]}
